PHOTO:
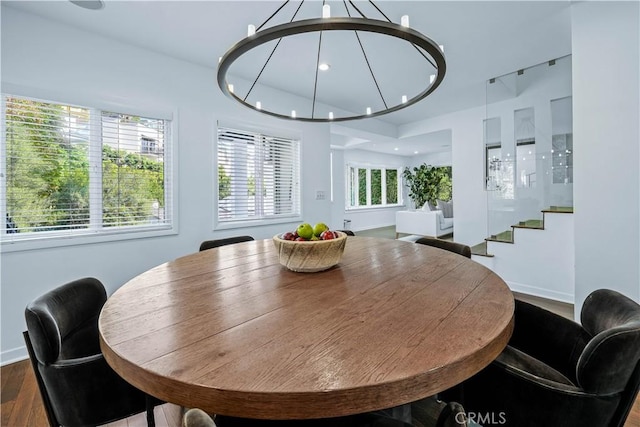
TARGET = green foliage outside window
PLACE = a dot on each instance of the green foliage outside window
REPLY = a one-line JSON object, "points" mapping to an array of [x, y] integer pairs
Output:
{"points": [[362, 187], [376, 187], [392, 186], [224, 183], [47, 174]]}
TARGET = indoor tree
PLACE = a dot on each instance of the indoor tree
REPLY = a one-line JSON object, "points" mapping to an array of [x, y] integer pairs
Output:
{"points": [[428, 183]]}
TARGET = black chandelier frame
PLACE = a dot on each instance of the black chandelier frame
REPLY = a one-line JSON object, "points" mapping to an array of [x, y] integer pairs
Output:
{"points": [[319, 25]]}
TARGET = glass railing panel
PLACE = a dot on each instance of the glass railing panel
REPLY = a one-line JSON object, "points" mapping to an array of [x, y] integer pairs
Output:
{"points": [[528, 142]]}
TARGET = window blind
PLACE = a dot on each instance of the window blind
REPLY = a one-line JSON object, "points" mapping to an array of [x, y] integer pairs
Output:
{"points": [[258, 176], [74, 170]]}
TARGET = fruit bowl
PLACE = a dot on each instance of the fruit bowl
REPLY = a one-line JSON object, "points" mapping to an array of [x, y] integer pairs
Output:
{"points": [[312, 255]]}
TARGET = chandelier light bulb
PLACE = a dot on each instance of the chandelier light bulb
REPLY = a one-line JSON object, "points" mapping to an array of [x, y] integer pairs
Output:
{"points": [[259, 105], [230, 87], [293, 114], [441, 46], [326, 11], [404, 21], [432, 77], [404, 99], [219, 59], [330, 115], [251, 30], [368, 110], [324, 66]]}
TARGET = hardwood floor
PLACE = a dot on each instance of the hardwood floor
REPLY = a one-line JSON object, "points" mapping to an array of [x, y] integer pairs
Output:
{"points": [[22, 405]]}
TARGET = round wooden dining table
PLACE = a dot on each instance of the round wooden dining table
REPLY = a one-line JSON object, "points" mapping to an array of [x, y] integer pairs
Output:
{"points": [[231, 331]]}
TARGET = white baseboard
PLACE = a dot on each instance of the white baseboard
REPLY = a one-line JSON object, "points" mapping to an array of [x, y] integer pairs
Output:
{"points": [[374, 227], [542, 293], [14, 355]]}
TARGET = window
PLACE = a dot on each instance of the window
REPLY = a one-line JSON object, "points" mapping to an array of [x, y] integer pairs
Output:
{"points": [[77, 170], [373, 187], [258, 176]]}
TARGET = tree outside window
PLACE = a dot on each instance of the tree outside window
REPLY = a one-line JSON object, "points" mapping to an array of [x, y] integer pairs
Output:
{"points": [[76, 168]]}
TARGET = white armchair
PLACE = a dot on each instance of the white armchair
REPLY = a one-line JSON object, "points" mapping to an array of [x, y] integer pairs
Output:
{"points": [[423, 223]]}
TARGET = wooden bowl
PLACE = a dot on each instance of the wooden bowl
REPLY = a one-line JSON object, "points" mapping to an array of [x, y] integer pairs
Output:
{"points": [[310, 256]]}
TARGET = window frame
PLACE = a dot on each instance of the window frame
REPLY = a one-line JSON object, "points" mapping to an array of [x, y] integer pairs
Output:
{"points": [[14, 242], [383, 183], [257, 222]]}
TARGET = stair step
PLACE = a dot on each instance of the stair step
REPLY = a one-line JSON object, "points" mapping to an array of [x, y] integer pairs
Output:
{"points": [[504, 237], [536, 224], [559, 209], [480, 249]]}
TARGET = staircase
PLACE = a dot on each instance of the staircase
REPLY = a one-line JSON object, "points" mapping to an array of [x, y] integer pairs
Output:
{"points": [[535, 256]]}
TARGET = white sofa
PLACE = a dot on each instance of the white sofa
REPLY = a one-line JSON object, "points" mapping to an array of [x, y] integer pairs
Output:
{"points": [[423, 223]]}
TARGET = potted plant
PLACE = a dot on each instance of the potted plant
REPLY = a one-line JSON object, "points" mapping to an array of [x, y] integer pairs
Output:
{"points": [[428, 183]]}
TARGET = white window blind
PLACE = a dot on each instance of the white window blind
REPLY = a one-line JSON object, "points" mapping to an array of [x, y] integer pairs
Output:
{"points": [[258, 176], [76, 170]]}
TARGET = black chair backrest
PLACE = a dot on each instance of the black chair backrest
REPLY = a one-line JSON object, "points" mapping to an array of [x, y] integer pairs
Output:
{"points": [[66, 315], [210, 244], [457, 248], [348, 232], [614, 322]]}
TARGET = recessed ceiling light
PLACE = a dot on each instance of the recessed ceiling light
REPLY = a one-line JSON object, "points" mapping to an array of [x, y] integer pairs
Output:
{"points": [[324, 66], [89, 4], [395, 149], [415, 152]]}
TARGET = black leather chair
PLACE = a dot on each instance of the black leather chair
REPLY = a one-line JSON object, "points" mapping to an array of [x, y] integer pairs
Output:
{"points": [[77, 385], [457, 248], [556, 372], [210, 244]]}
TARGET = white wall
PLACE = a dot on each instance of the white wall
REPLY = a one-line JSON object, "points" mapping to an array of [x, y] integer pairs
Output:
{"points": [[434, 159], [606, 107], [469, 198], [59, 63]]}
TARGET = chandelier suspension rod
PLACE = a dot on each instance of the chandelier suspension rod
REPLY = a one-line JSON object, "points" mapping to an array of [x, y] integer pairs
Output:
{"points": [[356, 8], [389, 20], [274, 48], [378, 9], [272, 15], [375, 81], [315, 82]]}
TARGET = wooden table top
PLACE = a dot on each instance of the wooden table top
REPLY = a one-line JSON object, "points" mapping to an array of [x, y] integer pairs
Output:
{"points": [[231, 331]]}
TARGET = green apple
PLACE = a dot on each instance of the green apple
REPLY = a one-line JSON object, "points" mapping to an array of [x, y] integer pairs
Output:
{"points": [[305, 231], [320, 228]]}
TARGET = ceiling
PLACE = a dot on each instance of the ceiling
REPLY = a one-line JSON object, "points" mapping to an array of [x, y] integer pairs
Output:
{"points": [[481, 40]]}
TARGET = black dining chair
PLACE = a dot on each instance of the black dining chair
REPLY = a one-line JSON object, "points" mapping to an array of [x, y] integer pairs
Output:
{"points": [[556, 372], [210, 244], [454, 247], [348, 232], [77, 385]]}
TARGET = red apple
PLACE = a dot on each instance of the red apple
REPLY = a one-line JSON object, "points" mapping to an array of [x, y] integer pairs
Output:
{"points": [[327, 235], [300, 239], [288, 236]]}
